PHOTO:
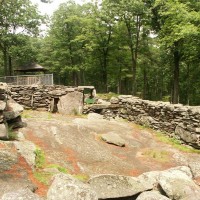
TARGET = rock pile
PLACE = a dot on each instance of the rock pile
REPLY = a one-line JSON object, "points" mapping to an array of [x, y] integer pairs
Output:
{"points": [[172, 184], [10, 112]]}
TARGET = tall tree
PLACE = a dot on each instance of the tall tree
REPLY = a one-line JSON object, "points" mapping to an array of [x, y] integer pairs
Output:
{"points": [[133, 14], [67, 39], [17, 17], [178, 22]]}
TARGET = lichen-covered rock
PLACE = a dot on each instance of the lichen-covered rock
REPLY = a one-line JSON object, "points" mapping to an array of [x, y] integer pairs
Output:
{"points": [[113, 138], [2, 105], [186, 135], [114, 186], [177, 183], [3, 132], [149, 179], [114, 100], [7, 159], [3, 87], [21, 194], [65, 187], [13, 110], [27, 150], [71, 103]]}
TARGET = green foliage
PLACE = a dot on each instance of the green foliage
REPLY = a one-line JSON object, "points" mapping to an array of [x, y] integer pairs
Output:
{"points": [[60, 169], [11, 134], [89, 100], [26, 114], [175, 143], [125, 47], [39, 158], [82, 177], [18, 19], [75, 111], [107, 96], [156, 154], [43, 177]]}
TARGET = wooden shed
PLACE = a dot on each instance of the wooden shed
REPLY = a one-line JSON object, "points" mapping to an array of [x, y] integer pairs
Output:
{"points": [[31, 67]]}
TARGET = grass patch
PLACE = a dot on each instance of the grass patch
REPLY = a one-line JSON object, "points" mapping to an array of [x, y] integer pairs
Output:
{"points": [[60, 169], [39, 158], [75, 111], [26, 114], [161, 156], [49, 116], [163, 137], [107, 96], [11, 134], [81, 177], [175, 143], [43, 177]]}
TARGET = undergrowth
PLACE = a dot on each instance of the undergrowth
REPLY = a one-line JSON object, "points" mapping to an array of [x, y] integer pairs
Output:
{"points": [[39, 158], [156, 154], [11, 135], [81, 177], [45, 176], [107, 96], [163, 137], [175, 143], [58, 167]]}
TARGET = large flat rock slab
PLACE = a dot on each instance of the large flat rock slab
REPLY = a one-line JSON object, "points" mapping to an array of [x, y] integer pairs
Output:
{"points": [[113, 138], [112, 186]]}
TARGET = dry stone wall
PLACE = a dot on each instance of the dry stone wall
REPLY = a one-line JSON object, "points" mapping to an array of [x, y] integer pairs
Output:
{"points": [[181, 122], [46, 98], [178, 121], [10, 112]]}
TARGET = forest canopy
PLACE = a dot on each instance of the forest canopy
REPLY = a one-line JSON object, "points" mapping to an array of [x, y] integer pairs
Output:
{"points": [[148, 48]]}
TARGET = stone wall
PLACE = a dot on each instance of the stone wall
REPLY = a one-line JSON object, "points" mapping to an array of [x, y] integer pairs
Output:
{"points": [[10, 112], [46, 98], [178, 121], [181, 122]]}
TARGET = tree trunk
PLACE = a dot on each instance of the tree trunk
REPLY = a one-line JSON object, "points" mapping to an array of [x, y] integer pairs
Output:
{"points": [[119, 85], [75, 78], [188, 85], [133, 72], [10, 66], [133, 48], [5, 57], [145, 84], [104, 73], [175, 95]]}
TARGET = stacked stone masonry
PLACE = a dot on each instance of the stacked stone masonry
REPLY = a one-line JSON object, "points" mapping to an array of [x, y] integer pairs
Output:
{"points": [[10, 112], [181, 122], [39, 97]]}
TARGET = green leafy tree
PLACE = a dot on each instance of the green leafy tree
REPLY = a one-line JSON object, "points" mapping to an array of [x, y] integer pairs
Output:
{"points": [[133, 14], [67, 39], [178, 22], [17, 17]]}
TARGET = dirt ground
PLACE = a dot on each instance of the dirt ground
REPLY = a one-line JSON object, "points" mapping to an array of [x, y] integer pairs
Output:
{"points": [[74, 144]]}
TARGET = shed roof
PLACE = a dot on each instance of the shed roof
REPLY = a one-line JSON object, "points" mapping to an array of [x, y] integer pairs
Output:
{"points": [[31, 67]]}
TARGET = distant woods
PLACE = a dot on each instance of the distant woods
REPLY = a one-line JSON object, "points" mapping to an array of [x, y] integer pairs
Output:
{"points": [[148, 48]]}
